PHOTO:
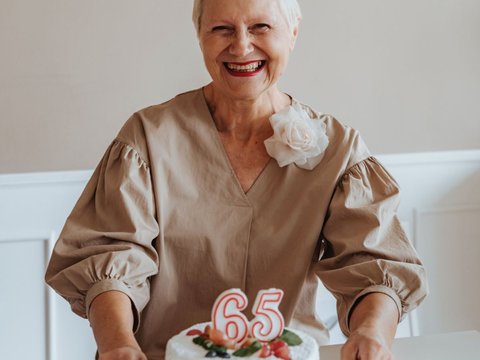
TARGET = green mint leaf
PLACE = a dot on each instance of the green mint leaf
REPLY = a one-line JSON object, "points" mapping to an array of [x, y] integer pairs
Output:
{"points": [[248, 351], [199, 340], [219, 349], [290, 338], [207, 344]]}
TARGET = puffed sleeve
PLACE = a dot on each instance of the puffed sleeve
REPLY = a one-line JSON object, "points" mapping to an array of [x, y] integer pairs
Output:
{"points": [[366, 249], [106, 243]]}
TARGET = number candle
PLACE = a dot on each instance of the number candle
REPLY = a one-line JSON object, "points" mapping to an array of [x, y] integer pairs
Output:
{"points": [[227, 316], [268, 323]]}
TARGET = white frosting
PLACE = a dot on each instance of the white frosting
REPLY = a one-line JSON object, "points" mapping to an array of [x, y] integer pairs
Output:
{"points": [[181, 347]]}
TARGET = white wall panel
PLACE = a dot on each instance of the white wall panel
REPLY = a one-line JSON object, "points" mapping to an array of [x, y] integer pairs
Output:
{"points": [[33, 208], [439, 194], [449, 241], [22, 299]]}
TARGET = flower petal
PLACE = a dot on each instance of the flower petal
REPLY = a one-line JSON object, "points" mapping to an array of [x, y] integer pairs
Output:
{"points": [[279, 151], [297, 138], [311, 163]]}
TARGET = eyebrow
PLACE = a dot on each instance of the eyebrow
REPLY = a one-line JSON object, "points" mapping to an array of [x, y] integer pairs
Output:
{"points": [[255, 20]]}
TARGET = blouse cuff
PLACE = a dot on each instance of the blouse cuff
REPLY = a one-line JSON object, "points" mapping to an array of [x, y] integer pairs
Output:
{"points": [[113, 285], [371, 289]]}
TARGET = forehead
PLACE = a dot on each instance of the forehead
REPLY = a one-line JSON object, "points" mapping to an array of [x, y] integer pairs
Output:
{"points": [[240, 10]]}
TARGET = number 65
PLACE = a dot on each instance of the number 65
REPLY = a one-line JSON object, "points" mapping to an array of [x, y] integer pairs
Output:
{"points": [[267, 324]]}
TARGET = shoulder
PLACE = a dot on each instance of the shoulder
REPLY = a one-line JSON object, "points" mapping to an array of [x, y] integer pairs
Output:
{"points": [[159, 120], [346, 145], [174, 109], [182, 104]]}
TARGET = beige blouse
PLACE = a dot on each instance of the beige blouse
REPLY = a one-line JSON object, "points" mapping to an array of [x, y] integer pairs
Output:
{"points": [[164, 220]]}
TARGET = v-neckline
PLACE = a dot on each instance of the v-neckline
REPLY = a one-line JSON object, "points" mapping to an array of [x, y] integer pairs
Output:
{"points": [[219, 144]]}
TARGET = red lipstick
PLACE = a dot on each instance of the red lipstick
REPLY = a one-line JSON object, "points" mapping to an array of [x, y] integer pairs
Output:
{"points": [[244, 72]]}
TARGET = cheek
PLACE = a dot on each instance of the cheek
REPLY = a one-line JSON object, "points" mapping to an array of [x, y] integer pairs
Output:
{"points": [[211, 50], [278, 50], [278, 59]]}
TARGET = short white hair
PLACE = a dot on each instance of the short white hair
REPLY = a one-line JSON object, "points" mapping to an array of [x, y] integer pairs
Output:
{"points": [[290, 9]]}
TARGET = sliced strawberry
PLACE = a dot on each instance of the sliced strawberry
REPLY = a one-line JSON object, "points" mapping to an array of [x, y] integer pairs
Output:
{"points": [[282, 353], [277, 344], [248, 341], [206, 331], [230, 344], [265, 352], [194, 332], [218, 337]]}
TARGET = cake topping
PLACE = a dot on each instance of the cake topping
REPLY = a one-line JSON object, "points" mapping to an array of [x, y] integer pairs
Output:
{"points": [[268, 323], [263, 337], [227, 316]]}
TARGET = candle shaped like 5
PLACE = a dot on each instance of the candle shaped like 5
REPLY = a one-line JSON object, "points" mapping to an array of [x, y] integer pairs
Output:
{"points": [[227, 316], [268, 323]]}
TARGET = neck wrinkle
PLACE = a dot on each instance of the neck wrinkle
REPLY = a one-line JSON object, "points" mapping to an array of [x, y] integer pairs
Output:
{"points": [[244, 119]]}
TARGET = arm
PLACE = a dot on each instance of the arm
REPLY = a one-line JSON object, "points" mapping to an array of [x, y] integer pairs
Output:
{"points": [[111, 318], [369, 265], [373, 323], [104, 256]]}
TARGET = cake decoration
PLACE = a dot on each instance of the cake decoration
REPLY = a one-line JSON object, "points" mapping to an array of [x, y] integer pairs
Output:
{"points": [[231, 335], [231, 327], [268, 323], [227, 316]]}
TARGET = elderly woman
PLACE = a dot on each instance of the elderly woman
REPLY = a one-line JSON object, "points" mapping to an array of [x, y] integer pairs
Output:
{"points": [[236, 185]]}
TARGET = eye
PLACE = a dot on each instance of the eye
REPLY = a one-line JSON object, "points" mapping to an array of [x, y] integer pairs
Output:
{"points": [[260, 28], [221, 29]]}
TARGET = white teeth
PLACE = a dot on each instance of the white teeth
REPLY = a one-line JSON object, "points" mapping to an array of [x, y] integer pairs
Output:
{"points": [[245, 68]]}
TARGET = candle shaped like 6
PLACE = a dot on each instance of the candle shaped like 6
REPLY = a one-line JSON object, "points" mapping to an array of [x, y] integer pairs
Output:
{"points": [[227, 316], [267, 325]]}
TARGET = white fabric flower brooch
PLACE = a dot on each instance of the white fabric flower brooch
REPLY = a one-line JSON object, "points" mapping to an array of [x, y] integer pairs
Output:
{"points": [[296, 138]]}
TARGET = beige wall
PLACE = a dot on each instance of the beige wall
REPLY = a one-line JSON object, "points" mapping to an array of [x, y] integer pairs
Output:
{"points": [[405, 73]]}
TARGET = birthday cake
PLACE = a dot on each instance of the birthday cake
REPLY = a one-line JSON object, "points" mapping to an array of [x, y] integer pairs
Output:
{"points": [[231, 336]]}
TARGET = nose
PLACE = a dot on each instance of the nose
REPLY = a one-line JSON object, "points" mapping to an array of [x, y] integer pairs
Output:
{"points": [[241, 44]]}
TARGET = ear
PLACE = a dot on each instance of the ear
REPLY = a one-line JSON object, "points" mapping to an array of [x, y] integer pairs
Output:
{"points": [[294, 36]]}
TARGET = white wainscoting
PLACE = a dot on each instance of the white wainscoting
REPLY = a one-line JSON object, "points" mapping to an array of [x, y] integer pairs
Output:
{"points": [[440, 210], [35, 323], [441, 201]]}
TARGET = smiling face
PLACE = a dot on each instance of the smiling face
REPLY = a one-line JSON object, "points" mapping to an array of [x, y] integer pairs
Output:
{"points": [[246, 45]]}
